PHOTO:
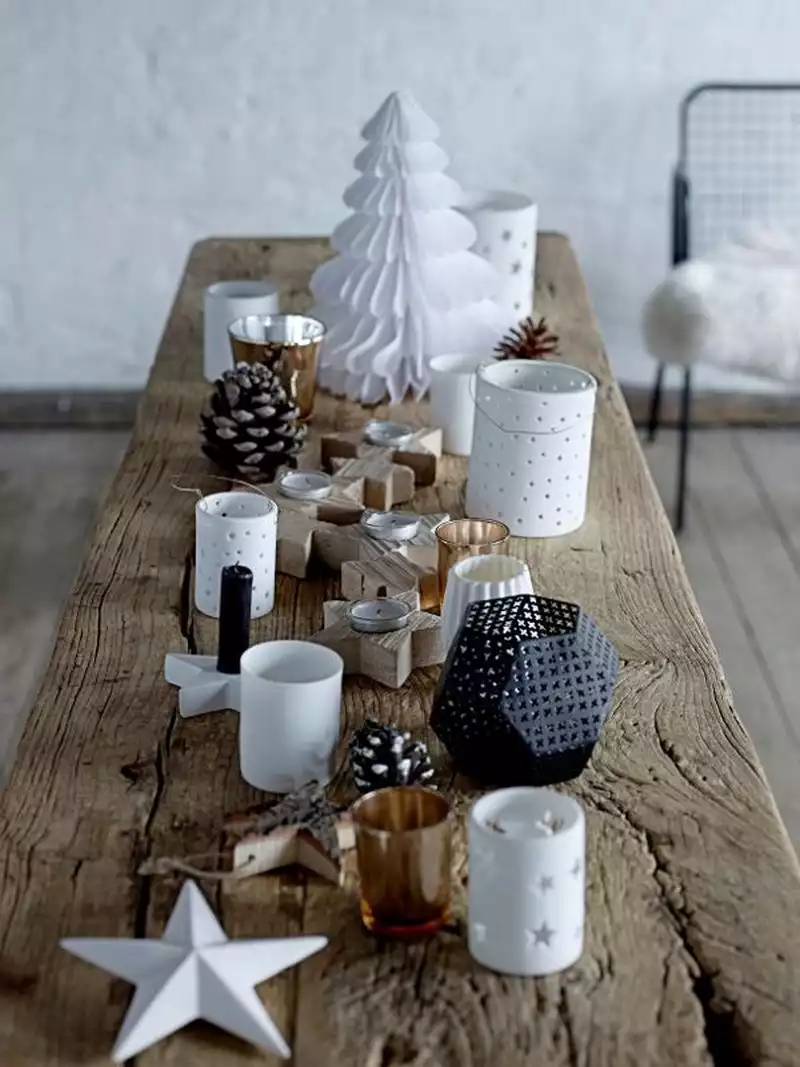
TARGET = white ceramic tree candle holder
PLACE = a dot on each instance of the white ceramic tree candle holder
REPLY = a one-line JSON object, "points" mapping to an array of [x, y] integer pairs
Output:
{"points": [[223, 303], [480, 578], [506, 226], [529, 465], [527, 857], [235, 528]]}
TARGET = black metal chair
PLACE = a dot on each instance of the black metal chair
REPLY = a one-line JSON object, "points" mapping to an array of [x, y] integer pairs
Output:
{"points": [[738, 163]]}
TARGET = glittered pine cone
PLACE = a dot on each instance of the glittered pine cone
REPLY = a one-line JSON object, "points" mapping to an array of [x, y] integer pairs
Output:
{"points": [[381, 756], [250, 426]]}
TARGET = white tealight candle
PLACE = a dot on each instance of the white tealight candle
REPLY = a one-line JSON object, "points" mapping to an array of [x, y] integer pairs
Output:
{"points": [[387, 434], [526, 881], [390, 525], [305, 485]]}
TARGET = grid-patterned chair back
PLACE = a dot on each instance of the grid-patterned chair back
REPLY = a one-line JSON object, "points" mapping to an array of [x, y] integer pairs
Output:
{"points": [[738, 164]]}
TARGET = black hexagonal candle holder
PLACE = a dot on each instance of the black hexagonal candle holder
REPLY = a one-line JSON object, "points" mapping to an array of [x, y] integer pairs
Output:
{"points": [[525, 691]]}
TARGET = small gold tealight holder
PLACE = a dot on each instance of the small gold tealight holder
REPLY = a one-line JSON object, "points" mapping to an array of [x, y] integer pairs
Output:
{"points": [[459, 539], [290, 341], [404, 847]]}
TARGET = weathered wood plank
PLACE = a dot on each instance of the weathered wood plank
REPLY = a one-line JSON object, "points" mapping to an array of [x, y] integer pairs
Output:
{"points": [[693, 954]]}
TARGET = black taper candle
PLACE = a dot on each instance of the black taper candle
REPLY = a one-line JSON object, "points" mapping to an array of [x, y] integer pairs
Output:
{"points": [[235, 596]]}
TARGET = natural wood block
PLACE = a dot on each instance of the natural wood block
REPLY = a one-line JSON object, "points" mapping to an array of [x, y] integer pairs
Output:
{"points": [[421, 453], [344, 505], [385, 483], [386, 658], [295, 543], [390, 575]]}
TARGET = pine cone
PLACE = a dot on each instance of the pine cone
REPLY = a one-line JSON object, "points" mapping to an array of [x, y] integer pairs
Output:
{"points": [[251, 426], [529, 340], [381, 756]]}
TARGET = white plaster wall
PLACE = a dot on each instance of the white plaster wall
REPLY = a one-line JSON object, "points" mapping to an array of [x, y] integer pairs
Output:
{"points": [[131, 128]]}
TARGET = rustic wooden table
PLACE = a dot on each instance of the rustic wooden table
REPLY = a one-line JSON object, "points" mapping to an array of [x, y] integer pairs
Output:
{"points": [[693, 951]]}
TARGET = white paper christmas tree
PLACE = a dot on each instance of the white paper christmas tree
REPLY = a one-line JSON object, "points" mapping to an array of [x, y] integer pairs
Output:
{"points": [[404, 286]]}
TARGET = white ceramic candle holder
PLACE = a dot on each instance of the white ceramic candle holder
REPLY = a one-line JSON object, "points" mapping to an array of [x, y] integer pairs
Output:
{"points": [[529, 465], [527, 883], [453, 400], [224, 302], [480, 578], [506, 226], [290, 703], [235, 528]]}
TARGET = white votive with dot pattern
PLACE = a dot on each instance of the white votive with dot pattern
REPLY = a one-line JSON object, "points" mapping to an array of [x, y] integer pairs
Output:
{"points": [[235, 528], [531, 447], [527, 881], [505, 223]]}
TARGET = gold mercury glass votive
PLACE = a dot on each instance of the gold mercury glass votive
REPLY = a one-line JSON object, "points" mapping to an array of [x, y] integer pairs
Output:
{"points": [[292, 342], [461, 538], [403, 847]]}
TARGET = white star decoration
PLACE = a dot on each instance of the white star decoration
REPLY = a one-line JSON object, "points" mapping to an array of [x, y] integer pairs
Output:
{"points": [[194, 972]]}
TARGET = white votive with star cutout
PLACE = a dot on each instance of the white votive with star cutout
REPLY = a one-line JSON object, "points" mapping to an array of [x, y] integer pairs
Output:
{"points": [[506, 226], [527, 883]]}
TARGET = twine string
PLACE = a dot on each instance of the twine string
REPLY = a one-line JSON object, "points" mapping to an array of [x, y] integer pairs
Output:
{"points": [[164, 865], [217, 478]]}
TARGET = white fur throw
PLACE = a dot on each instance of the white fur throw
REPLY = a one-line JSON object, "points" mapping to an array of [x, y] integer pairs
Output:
{"points": [[737, 308]]}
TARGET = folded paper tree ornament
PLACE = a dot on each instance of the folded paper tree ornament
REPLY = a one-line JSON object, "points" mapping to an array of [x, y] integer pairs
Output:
{"points": [[194, 972], [525, 691], [404, 286]]}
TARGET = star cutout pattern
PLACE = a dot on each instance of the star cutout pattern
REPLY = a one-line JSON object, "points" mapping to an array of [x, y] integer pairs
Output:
{"points": [[516, 267], [194, 972], [576, 867], [540, 935], [546, 882], [507, 235]]}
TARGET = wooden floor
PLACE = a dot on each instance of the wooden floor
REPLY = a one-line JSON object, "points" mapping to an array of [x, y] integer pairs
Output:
{"points": [[741, 547]]}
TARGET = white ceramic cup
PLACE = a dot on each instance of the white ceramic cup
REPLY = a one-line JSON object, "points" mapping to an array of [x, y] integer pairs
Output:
{"points": [[452, 400], [527, 880], [291, 695], [223, 303], [480, 578]]}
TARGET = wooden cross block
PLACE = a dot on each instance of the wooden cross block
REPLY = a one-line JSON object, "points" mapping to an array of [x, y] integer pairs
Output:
{"points": [[386, 658], [385, 483], [421, 453]]}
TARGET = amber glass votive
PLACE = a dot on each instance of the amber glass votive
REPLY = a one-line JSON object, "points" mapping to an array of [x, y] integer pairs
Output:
{"points": [[461, 538], [403, 847], [290, 342]]}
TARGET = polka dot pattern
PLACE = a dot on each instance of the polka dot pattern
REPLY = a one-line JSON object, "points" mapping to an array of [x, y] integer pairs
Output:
{"points": [[235, 528]]}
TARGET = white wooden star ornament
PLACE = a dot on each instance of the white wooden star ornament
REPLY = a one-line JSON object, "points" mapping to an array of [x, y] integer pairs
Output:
{"points": [[194, 972]]}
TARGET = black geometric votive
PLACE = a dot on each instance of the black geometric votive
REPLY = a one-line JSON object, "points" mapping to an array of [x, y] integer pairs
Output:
{"points": [[525, 691]]}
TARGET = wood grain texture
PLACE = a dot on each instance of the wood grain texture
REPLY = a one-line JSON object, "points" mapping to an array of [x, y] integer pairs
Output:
{"points": [[693, 950]]}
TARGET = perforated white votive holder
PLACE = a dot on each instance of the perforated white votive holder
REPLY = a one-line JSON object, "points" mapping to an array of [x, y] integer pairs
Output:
{"points": [[505, 223], [531, 448], [527, 881], [231, 528]]}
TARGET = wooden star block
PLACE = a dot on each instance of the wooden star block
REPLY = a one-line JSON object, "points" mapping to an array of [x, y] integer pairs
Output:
{"points": [[421, 453], [386, 483], [304, 829], [404, 571], [337, 545], [387, 658], [345, 504]]}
